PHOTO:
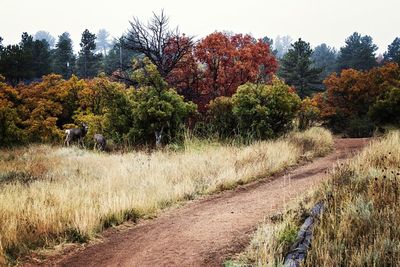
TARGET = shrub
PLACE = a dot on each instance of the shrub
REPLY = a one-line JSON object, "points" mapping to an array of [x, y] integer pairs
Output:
{"points": [[308, 113], [386, 110], [222, 118], [264, 111], [158, 111], [10, 122], [360, 127], [106, 107], [10, 133], [40, 107]]}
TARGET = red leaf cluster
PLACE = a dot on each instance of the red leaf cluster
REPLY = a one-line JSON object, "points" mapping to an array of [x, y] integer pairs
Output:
{"points": [[220, 63]]}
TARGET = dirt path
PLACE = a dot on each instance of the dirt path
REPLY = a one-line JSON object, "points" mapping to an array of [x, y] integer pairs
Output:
{"points": [[207, 231]]}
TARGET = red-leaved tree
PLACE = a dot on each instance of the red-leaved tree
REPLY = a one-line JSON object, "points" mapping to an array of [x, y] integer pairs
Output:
{"points": [[219, 63]]}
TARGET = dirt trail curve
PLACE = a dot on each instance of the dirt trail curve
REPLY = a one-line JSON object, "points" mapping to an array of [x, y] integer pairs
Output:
{"points": [[206, 231]]}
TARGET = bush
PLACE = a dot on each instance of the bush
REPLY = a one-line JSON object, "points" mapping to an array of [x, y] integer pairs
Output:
{"points": [[308, 113], [106, 108], [360, 127], [222, 118], [386, 110], [40, 107], [158, 111], [265, 111], [10, 131]]}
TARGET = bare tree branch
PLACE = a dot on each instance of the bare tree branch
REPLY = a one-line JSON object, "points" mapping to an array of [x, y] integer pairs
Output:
{"points": [[164, 47]]}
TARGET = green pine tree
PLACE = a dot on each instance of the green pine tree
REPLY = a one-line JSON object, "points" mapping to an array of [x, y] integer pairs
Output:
{"points": [[358, 53], [393, 53], [88, 63], [297, 69], [118, 57], [324, 57], [27, 61], [63, 56]]}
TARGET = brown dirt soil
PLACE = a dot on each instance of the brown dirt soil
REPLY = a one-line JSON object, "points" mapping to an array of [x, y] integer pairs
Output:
{"points": [[207, 231]]}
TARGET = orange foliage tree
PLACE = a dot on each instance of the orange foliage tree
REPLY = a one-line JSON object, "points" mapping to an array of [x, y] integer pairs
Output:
{"points": [[10, 122], [351, 93], [219, 64], [39, 111], [42, 104], [105, 106], [308, 113]]}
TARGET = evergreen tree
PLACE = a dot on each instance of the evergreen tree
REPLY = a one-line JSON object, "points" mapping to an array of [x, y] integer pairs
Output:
{"points": [[10, 68], [297, 69], [118, 58], [324, 57], [63, 56], [282, 45], [102, 42], [26, 61], [88, 64], [393, 53], [358, 53], [41, 58], [43, 35], [270, 42], [36, 58]]}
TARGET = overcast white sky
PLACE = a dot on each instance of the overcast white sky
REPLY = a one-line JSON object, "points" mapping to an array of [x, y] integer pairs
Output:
{"points": [[315, 21]]}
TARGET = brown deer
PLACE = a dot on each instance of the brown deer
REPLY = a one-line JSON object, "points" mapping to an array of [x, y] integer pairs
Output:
{"points": [[100, 142], [76, 134]]}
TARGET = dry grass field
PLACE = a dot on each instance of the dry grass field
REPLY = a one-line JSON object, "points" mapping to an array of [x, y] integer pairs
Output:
{"points": [[50, 195], [359, 226]]}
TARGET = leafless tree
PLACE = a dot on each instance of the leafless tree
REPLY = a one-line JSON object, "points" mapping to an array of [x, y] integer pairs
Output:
{"points": [[165, 47]]}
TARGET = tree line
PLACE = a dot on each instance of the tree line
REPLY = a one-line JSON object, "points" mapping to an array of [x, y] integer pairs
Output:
{"points": [[224, 84], [299, 64], [38, 55]]}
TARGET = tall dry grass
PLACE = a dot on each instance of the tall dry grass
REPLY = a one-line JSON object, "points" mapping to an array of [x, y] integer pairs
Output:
{"points": [[274, 237], [50, 195], [360, 224]]}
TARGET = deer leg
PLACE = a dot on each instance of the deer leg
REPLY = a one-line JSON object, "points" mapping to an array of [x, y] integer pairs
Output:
{"points": [[82, 143], [67, 141]]}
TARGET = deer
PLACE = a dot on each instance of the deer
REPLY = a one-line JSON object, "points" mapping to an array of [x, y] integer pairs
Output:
{"points": [[100, 142], [76, 134]]}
